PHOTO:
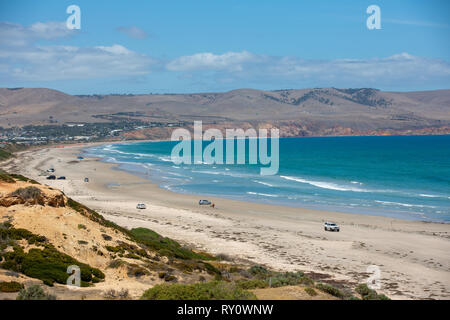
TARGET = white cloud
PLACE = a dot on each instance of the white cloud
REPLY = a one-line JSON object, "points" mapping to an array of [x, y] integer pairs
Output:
{"points": [[375, 71], [12, 34], [116, 49], [133, 32], [231, 61], [23, 60], [49, 63]]}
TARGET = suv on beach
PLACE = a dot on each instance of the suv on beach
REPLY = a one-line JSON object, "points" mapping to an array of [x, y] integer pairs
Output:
{"points": [[330, 226], [52, 177], [141, 206], [204, 202]]}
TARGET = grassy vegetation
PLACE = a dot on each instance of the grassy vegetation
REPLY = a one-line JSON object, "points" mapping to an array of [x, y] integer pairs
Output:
{"points": [[4, 155], [311, 291], [28, 193], [259, 271], [20, 177], [214, 290], [9, 234], [289, 279], [5, 177], [330, 290], [116, 263], [252, 284], [369, 294], [165, 246], [34, 292], [279, 279], [47, 264], [11, 177], [11, 286]]}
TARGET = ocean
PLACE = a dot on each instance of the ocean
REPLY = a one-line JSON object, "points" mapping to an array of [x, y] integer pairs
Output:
{"points": [[406, 177]]}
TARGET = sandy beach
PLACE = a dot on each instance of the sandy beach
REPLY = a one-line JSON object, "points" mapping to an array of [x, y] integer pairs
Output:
{"points": [[413, 256]]}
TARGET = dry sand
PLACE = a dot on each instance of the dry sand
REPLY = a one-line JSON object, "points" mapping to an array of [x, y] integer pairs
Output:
{"points": [[413, 256]]}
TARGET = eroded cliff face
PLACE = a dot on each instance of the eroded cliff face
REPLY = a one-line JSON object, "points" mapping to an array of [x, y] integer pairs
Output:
{"points": [[30, 195]]}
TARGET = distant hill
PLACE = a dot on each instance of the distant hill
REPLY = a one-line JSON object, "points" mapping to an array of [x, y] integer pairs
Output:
{"points": [[325, 111]]}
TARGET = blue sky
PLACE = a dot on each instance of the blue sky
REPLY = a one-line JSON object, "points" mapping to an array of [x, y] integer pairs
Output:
{"points": [[219, 45]]}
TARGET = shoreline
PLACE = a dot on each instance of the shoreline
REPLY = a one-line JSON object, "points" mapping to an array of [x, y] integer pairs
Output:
{"points": [[275, 200], [412, 255], [325, 208]]}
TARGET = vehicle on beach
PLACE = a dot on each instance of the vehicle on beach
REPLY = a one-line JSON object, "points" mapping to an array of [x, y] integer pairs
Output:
{"points": [[141, 206], [80, 158], [51, 170], [62, 178], [330, 226], [86, 179], [204, 202], [52, 177]]}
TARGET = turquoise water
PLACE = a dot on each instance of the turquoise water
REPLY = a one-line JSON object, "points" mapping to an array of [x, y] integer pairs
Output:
{"points": [[406, 177]]}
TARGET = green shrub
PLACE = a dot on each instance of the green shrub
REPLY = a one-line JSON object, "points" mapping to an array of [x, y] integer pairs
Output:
{"points": [[369, 294], [252, 284], [4, 155], [132, 256], [330, 290], [22, 178], [165, 246], [11, 286], [47, 264], [211, 269], [9, 233], [137, 271], [306, 281], [106, 237], [116, 263], [286, 279], [215, 290], [28, 193], [81, 226], [5, 177], [311, 291], [114, 249], [259, 271], [34, 292]]}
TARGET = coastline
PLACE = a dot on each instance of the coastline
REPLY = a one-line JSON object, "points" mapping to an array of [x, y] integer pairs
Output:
{"points": [[378, 190], [412, 255]]}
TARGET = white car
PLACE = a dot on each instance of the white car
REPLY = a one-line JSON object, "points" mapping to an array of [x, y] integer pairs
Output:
{"points": [[330, 226], [141, 206], [204, 202]]}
